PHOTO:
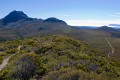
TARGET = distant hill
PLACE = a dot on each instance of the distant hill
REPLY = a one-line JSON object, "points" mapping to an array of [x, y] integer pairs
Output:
{"points": [[52, 20], [113, 31], [106, 28], [115, 25], [85, 27]]}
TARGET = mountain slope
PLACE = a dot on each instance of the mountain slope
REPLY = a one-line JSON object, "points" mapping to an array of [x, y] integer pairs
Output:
{"points": [[96, 38], [57, 57]]}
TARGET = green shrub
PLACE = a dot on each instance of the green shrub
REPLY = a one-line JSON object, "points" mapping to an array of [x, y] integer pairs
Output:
{"points": [[72, 74], [1, 59], [11, 51], [99, 70]]}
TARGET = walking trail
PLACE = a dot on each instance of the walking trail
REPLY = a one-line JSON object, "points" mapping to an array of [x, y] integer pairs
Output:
{"points": [[112, 49], [5, 61]]}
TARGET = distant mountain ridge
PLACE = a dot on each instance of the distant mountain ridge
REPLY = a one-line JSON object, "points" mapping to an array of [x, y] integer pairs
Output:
{"points": [[85, 27], [17, 24], [106, 28], [15, 16], [115, 25]]}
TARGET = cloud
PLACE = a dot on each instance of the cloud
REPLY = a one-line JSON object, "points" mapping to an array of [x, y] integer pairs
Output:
{"points": [[66, 15], [118, 13], [92, 22], [115, 15]]}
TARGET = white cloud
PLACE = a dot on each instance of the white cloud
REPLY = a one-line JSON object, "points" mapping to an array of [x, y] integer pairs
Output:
{"points": [[114, 15], [66, 15], [118, 13], [91, 22]]}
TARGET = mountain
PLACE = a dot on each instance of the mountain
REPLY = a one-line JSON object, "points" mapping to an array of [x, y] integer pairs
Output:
{"points": [[14, 16], [18, 25]]}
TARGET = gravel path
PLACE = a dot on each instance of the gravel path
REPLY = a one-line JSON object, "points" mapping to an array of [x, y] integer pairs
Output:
{"points": [[112, 48], [5, 61]]}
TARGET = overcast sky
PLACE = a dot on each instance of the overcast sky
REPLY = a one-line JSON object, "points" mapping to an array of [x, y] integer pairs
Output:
{"points": [[74, 12]]}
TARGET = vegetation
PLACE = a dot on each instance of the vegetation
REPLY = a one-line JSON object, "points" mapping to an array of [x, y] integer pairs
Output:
{"points": [[56, 57]]}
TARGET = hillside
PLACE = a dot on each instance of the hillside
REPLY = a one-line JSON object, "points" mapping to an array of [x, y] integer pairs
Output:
{"points": [[97, 39], [21, 26], [56, 57]]}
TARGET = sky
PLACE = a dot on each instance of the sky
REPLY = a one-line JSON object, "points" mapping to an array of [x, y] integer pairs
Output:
{"points": [[74, 12]]}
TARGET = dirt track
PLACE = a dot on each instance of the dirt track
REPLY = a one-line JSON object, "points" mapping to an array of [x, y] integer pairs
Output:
{"points": [[112, 48], [5, 61]]}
